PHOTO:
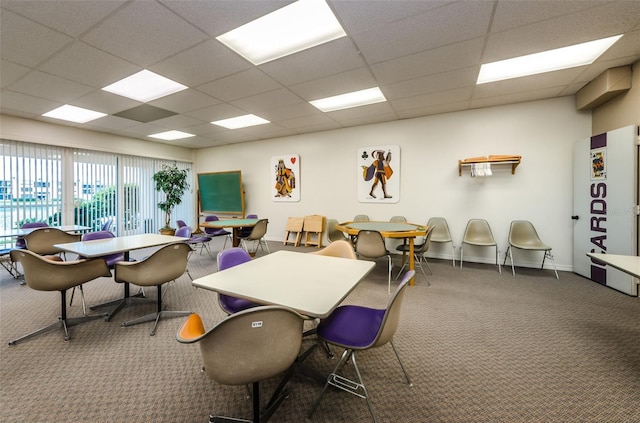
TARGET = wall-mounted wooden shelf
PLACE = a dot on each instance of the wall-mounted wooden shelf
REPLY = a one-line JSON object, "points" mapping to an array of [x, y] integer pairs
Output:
{"points": [[514, 161]]}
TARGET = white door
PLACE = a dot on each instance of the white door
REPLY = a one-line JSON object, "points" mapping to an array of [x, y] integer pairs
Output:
{"points": [[605, 202]]}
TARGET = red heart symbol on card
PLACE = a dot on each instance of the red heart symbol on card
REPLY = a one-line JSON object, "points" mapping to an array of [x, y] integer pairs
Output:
{"points": [[293, 160]]}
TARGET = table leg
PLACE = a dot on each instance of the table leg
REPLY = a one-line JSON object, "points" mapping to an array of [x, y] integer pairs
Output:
{"points": [[411, 260], [236, 240]]}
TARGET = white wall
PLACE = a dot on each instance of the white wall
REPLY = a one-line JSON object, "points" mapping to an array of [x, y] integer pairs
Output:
{"points": [[18, 129], [542, 132]]}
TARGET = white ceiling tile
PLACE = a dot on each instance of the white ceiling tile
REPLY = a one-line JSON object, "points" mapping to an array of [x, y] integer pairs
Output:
{"points": [[202, 63], [143, 32], [317, 62], [25, 104], [25, 42], [10, 72], [185, 101], [270, 99], [341, 83], [69, 17], [85, 64], [444, 59], [442, 97], [424, 55], [433, 83], [40, 84], [240, 85], [443, 26]]}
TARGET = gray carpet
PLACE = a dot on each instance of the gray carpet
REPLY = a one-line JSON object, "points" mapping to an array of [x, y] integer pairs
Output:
{"points": [[479, 347]]}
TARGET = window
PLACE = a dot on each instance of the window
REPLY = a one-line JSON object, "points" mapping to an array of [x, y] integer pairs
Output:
{"points": [[58, 185]]}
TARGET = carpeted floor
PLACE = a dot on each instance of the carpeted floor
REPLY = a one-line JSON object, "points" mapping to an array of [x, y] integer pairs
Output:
{"points": [[479, 347]]}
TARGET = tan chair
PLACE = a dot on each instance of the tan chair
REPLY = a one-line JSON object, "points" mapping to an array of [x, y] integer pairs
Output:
{"points": [[341, 248], [334, 234], [43, 274], [257, 237], [442, 235], [165, 265], [42, 240], [418, 252], [248, 347], [361, 218], [370, 244], [478, 233], [523, 235], [398, 219]]}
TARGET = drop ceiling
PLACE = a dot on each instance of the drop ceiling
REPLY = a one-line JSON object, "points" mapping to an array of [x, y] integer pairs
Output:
{"points": [[424, 55]]}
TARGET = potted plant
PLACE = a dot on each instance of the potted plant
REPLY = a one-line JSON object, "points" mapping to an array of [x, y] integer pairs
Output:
{"points": [[173, 183]]}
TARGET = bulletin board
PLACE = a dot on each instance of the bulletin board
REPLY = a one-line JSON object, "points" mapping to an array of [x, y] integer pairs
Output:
{"points": [[221, 193]]}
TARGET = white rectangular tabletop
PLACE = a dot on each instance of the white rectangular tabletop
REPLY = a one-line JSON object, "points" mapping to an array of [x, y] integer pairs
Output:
{"points": [[627, 264], [119, 244], [25, 231], [313, 285]]}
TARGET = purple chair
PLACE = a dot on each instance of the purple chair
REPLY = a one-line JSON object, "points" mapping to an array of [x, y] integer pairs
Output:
{"points": [[357, 328], [181, 223], [213, 232], [194, 240], [107, 225], [226, 259], [110, 259], [20, 242]]}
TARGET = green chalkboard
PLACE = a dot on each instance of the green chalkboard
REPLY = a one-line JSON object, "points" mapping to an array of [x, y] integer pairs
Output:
{"points": [[221, 192]]}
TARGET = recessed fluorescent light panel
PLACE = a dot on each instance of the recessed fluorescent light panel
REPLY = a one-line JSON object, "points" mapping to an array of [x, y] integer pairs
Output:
{"points": [[296, 27], [241, 122], [346, 101], [74, 114], [546, 61], [145, 86], [171, 135]]}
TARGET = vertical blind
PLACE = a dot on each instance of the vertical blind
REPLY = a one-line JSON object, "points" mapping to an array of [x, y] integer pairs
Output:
{"points": [[57, 185]]}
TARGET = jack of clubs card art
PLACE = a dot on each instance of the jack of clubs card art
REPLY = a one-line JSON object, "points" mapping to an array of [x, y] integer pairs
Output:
{"points": [[285, 174], [379, 174]]}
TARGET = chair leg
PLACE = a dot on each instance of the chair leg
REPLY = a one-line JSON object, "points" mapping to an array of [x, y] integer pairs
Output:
{"points": [[401, 365], [84, 304], [453, 254], [461, 254], [345, 356], [550, 256], [155, 317], [498, 260], [63, 322], [389, 277]]}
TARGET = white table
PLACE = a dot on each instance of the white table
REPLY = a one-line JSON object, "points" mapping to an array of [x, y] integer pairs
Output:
{"points": [[5, 233], [627, 264], [121, 244], [311, 284]]}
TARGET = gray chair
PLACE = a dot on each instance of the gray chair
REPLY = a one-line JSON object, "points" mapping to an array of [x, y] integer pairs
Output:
{"points": [[418, 253], [478, 233], [361, 218], [399, 219], [332, 233], [370, 244], [43, 274], [442, 235], [523, 236], [164, 265], [248, 347], [256, 236]]}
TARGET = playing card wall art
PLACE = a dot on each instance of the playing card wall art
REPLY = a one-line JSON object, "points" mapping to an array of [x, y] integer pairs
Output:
{"points": [[285, 177], [379, 174]]}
